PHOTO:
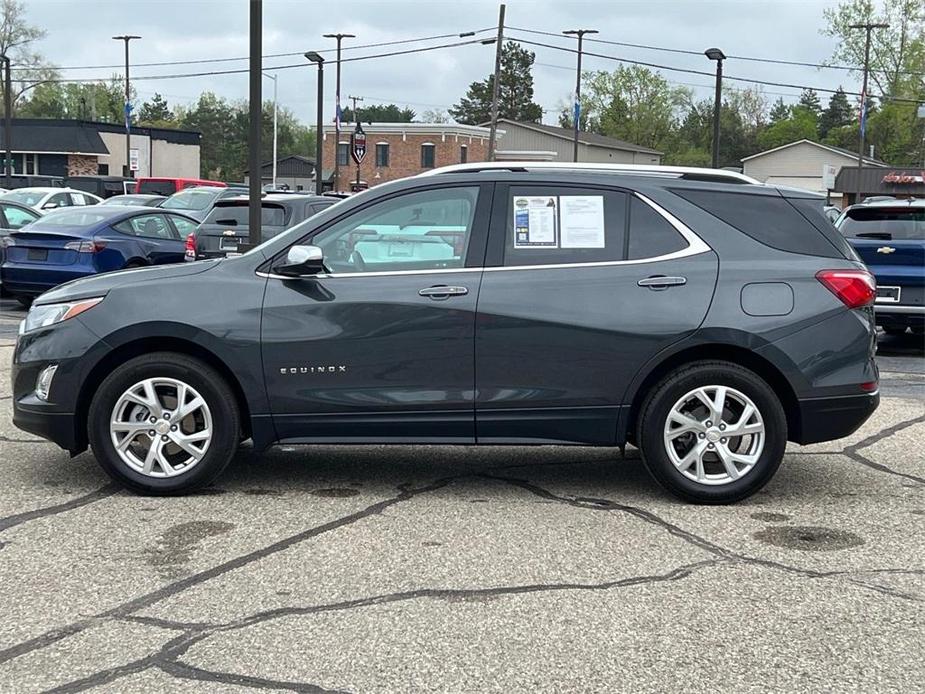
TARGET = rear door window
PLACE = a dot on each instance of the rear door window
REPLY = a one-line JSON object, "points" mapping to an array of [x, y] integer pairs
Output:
{"points": [[553, 225], [884, 224], [651, 235], [148, 226], [184, 226], [769, 219]]}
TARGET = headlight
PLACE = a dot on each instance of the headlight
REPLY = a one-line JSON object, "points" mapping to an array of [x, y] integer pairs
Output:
{"points": [[49, 314]]}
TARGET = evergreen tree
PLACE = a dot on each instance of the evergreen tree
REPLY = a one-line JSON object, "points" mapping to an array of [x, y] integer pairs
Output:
{"points": [[836, 114], [515, 91], [809, 100], [155, 110], [780, 111]]}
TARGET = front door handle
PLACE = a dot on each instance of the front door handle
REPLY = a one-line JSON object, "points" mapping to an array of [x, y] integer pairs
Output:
{"points": [[659, 282], [441, 291]]}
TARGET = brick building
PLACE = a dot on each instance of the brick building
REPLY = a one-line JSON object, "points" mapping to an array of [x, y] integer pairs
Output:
{"points": [[396, 150]]}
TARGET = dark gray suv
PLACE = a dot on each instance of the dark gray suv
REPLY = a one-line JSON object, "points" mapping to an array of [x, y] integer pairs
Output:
{"points": [[696, 314]]}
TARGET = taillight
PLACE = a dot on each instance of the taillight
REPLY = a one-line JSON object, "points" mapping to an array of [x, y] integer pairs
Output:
{"points": [[855, 288], [94, 246], [191, 243]]}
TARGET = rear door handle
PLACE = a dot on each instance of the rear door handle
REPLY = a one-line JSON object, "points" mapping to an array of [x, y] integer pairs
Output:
{"points": [[441, 291], [658, 282]]}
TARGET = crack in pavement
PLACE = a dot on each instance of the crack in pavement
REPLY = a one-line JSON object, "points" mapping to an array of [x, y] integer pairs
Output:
{"points": [[147, 600], [8, 439], [168, 657], [103, 492], [852, 451]]}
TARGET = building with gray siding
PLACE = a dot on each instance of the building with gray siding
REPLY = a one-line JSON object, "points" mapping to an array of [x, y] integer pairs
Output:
{"points": [[535, 141]]}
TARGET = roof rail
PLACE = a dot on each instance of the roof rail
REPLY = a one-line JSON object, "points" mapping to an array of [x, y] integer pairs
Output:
{"points": [[690, 173]]}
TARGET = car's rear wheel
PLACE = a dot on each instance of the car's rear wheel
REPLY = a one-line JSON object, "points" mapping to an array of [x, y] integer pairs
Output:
{"points": [[712, 432], [164, 423]]}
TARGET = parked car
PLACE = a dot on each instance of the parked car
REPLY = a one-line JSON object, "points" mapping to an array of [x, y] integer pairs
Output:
{"points": [[832, 213], [13, 216], [705, 318], [889, 235], [227, 224], [102, 186], [45, 198], [31, 181], [197, 202], [169, 186], [135, 200], [75, 243]]}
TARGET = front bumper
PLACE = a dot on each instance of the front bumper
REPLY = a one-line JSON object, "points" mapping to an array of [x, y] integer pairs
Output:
{"points": [[830, 418], [35, 417]]}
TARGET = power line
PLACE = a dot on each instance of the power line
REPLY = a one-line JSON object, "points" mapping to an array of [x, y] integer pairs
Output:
{"points": [[691, 71], [201, 61]]}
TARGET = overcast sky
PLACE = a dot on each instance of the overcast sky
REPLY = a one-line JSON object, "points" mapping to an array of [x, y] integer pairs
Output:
{"points": [[78, 34]]}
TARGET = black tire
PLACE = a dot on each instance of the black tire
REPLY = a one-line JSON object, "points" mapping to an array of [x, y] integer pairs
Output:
{"points": [[895, 330], [25, 301], [213, 389], [658, 404]]}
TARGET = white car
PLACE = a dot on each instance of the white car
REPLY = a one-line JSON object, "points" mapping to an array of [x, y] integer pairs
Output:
{"points": [[45, 199]]}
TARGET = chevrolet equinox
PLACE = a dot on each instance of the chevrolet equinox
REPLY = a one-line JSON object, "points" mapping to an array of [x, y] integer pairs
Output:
{"points": [[701, 316]]}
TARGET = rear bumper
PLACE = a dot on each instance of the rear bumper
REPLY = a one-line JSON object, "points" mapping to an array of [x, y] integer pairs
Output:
{"points": [[897, 314], [830, 418], [34, 282]]}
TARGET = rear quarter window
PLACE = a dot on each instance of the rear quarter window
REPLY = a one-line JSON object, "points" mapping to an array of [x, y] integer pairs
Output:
{"points": [[770, 220]]}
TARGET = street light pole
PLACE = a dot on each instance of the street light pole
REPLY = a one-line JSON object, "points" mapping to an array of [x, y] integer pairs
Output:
{"points": [[255, 111], [275, 103], [576, 113], [128, 107], [493, 130], [868, 27], [339, 38], [7, 121], [319, 171], [717, 55]]}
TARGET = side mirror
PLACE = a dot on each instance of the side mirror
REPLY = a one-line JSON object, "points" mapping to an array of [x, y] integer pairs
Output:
{"points": [[49, 205], [301, 261]]}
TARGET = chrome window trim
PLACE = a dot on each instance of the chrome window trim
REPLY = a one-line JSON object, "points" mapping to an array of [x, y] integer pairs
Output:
{"points": [[696, 246]]}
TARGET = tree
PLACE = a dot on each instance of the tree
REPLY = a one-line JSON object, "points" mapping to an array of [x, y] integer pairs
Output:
{"points": [[836, 114], [16, 39], [809, 100], [379, 113], [155, 111], [897, 54], [100, 101], [801, 125], [780, 111], [515, 91], [435, 115]]}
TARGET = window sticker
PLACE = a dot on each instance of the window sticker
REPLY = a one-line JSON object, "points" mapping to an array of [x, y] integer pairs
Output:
{"points": [[582, 221], [535, 222]]}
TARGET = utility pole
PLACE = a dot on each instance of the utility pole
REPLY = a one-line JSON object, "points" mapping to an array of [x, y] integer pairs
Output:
{"points": [[499, 45], [128, 107], [7, 121], [339, 38], [255, 107], [319, 119], [576, 114], [868, 27], [354, 99], [275, 104], [717, 55]]}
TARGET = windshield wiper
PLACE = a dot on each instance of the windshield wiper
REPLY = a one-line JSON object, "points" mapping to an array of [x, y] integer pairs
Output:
{"points": [[879, 235]]}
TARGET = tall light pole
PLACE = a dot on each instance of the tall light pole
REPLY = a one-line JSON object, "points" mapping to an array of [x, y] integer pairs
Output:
{"points": [[255, 112], [275, 103], [576, 113], [717, 55], [499, 46], [339, 38], [7, 121], [319, 171], [868, 27], [128, 107]]}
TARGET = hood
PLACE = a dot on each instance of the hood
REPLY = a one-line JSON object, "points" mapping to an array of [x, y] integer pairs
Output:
{"points": [[100, 285]]}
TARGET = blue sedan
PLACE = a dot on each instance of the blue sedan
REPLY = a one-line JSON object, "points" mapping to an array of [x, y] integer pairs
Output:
{"points": [[73, 243]]}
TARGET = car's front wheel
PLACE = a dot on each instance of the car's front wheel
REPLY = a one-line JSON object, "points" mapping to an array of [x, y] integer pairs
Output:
{"points": [[164, 423], [712, 432]]}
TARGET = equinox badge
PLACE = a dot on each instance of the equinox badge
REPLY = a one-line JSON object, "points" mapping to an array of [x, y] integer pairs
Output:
{"points": [[329, 369]]}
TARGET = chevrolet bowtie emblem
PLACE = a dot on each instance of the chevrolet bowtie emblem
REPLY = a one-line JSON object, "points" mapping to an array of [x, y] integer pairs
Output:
{"points": [[886, 249], [228, 232]]}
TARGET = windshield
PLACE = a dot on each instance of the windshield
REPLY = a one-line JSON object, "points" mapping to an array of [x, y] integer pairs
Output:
{"points": [[25, 196], [191, 199], [238, 215], [884, 224]]}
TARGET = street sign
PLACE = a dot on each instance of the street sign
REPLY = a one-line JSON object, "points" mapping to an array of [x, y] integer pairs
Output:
{"points": [[829, 173], [358, 144], [133, 160]]}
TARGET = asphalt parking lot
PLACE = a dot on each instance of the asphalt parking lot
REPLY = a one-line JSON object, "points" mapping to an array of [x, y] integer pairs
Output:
{"points": [[446, 569]]}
